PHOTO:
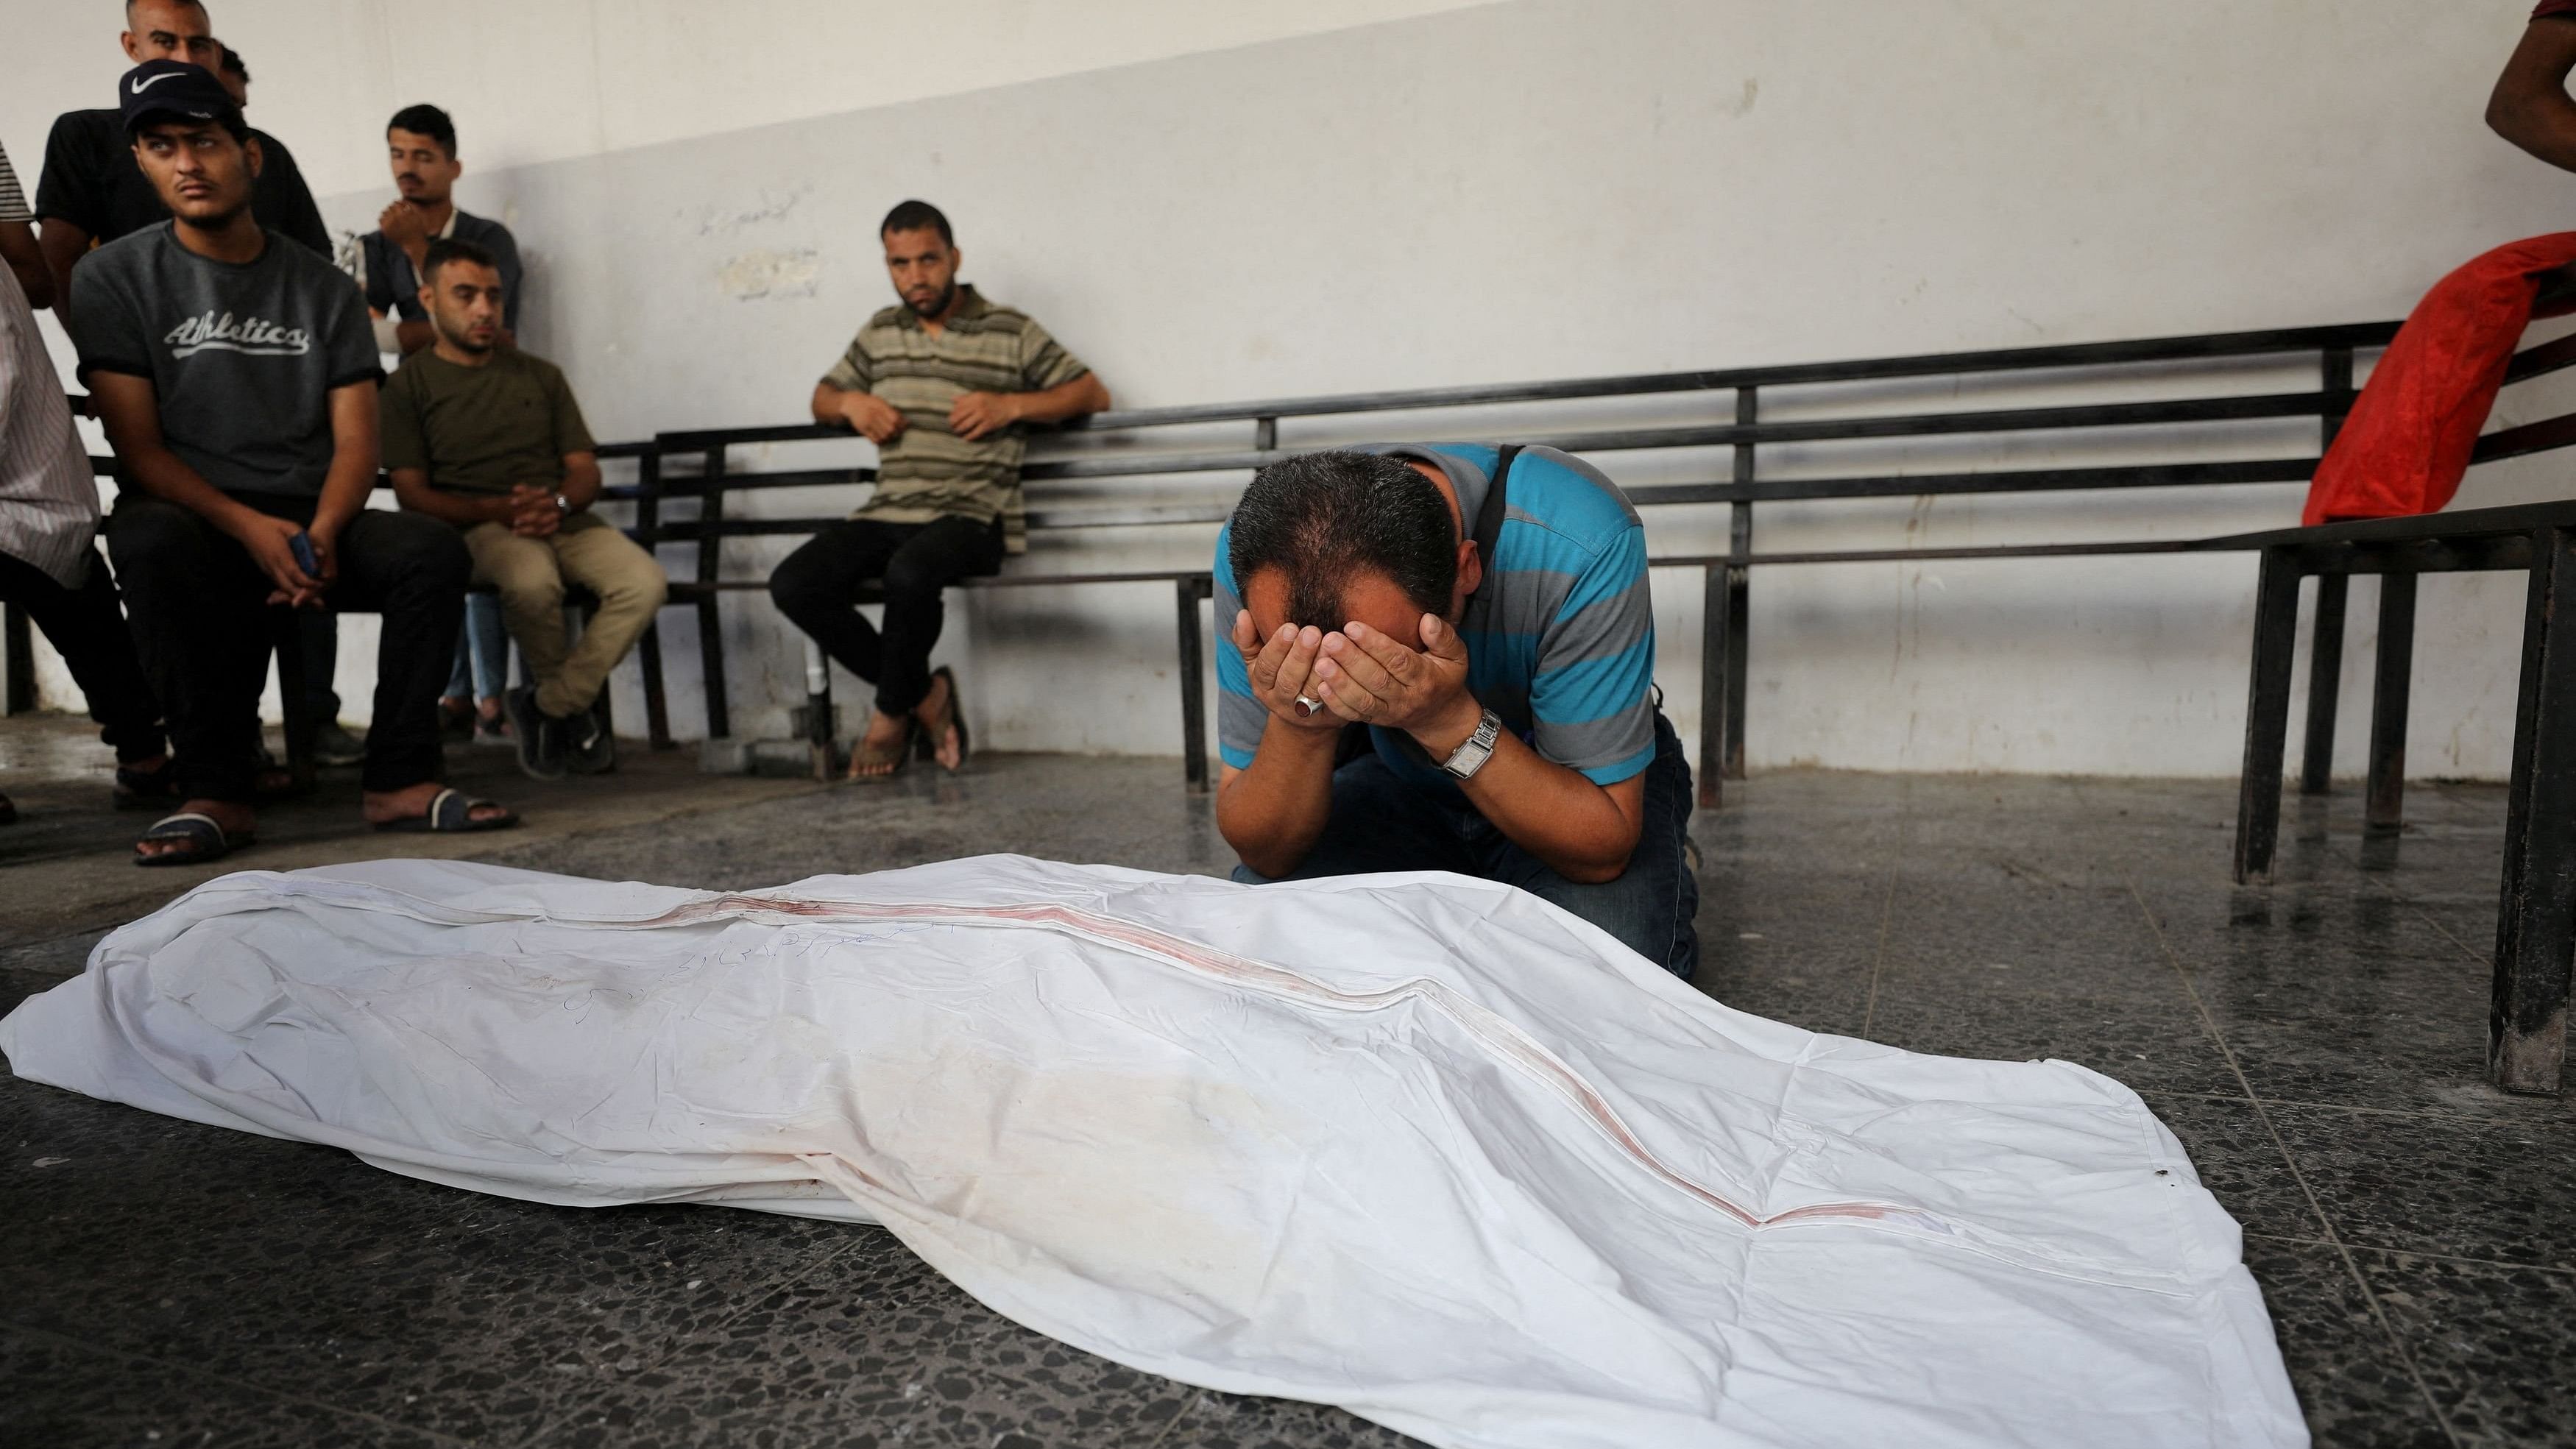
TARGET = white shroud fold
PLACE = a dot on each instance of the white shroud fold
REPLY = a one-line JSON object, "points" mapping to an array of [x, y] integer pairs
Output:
{"points": [[1421, 1146]]}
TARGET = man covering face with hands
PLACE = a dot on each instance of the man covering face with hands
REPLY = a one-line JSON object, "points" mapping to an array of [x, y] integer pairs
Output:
{"points": [[1483, 612]]}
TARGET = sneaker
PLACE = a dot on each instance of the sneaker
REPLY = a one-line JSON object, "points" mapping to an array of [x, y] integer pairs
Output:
{"points": [[492, 730], [588, 746], [333, 745], [540, 738]]}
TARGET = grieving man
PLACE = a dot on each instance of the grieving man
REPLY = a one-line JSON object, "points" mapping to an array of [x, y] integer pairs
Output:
{"points": [[420, 146], [1484, 613], [237, 381], [489, 439], [941, 383]]}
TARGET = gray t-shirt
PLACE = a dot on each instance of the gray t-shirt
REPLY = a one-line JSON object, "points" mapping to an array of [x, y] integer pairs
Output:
{"points": [[243, 355]]}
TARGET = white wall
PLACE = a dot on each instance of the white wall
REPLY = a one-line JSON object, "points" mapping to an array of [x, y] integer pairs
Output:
{"points": [[1514, 191]]}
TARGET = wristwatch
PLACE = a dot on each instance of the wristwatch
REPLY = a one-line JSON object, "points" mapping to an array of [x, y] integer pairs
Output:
{"points": [[563, 505], [1470, 757]]}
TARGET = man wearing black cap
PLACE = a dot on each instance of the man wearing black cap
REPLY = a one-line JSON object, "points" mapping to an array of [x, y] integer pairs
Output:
{"points": [[92, 192], [236, 375]]}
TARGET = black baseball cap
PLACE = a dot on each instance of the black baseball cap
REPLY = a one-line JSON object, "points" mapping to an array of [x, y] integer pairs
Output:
{"points": [[173, 90]]}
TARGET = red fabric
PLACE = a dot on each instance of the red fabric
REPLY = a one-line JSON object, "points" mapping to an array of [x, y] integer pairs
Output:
{"points": [[2407, 443]]}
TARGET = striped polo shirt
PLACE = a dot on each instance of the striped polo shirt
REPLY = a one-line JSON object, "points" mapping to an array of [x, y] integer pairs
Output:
{"points": [[1560, 637], [928, 472]]}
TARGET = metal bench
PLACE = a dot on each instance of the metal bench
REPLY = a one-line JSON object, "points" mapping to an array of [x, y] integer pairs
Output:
{"points": [[1114, 448]]}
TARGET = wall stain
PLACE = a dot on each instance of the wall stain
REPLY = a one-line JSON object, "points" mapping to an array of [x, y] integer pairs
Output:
{"points": [[755, 275]]}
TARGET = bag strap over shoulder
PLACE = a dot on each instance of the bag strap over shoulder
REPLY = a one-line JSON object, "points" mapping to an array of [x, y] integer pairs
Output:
{"points": [[1489, 518]]}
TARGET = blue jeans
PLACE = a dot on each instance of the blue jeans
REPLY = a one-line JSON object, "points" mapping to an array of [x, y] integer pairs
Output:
{"points": [[1381, 822], [482, 668]]}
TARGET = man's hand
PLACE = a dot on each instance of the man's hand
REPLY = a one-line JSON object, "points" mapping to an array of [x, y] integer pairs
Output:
{"points": [[871, 416], [1282, 670], [407, 227], [1368, 678], [272, 547], [975, 414], [533, 513]]}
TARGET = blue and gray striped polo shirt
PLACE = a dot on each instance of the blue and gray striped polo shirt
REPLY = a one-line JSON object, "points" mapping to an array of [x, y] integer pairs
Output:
{"points": [[1560, 638]]}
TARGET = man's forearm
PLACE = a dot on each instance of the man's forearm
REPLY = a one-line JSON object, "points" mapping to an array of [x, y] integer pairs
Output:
{"points": [[2530, 106], [1274, 811], [62, 244], [464, 510], [580, 486], [1065, 400], [411, 337], [26, 258], [161, 473], [1574, 827]]}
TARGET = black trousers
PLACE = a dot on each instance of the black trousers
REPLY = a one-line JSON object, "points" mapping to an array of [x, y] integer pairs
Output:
{"points": [[198, 605], [817, 587], [87, 627]]}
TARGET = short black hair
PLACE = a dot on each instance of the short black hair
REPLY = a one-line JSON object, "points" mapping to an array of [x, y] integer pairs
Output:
{"points": [[426, 120], [1327, 518], [233, 63], [913, 216], [448, 249]]}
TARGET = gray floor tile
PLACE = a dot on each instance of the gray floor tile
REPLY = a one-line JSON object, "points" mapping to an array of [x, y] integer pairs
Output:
{"points": [[2350, 1377], [2453, 1186], [2148, 1045], [2474, 1332], [61, 1394], [873, 1347]]}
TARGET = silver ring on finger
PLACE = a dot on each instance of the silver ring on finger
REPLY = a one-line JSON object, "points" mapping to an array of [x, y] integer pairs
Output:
{"points": [[1308, 708]]}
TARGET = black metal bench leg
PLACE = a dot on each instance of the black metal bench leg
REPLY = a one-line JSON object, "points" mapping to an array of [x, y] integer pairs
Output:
{"points": [[2325, 684], [1716, 631], [818, 710], [1194, 764], [2536, 919], [657, 705], [2388, 699], [1739, 641], [2267, 715]]}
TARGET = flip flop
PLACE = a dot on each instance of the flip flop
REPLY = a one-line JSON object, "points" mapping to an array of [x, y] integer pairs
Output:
{"points": [[200, 831], [928, 736], [451, 812], [893, 756]]}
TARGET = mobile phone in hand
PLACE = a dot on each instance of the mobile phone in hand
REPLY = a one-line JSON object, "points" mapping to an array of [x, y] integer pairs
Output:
{"points": [[302, 544]]}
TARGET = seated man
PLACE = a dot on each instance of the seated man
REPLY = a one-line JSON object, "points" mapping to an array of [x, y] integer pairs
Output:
{"points": [[1503, 664], [489, 439], [940, 385], [237, 379], [49, 563]]}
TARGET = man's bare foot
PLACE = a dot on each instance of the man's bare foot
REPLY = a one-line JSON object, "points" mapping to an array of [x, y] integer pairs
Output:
{"points": [[940, 723], [233, 817], [411, 802], [881, 750]]}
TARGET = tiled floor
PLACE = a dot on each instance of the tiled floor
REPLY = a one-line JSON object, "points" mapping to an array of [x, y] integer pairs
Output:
{"points": [[2318, 1045]]}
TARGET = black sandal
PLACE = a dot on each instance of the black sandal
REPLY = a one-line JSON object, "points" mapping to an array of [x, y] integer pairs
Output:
{"points": [[206, 839], [451, 812]]}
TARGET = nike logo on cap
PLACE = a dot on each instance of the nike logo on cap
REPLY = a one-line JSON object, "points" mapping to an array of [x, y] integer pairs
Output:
{"points": [[140, 85]]}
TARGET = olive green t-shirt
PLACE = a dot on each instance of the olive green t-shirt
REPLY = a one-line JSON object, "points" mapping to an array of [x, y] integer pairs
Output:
{"points": [[481, 429]]}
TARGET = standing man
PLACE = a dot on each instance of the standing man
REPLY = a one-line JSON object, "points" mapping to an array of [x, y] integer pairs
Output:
{"points": [[49, 563], [237, 381], [1502, 655], [91, 191], [489, 439], [940, 383], [235, 74], [420, 141]]}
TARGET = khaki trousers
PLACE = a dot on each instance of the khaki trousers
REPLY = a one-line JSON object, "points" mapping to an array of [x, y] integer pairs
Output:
{"points": [[530, 574]]}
